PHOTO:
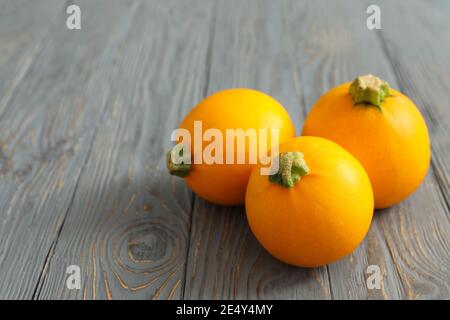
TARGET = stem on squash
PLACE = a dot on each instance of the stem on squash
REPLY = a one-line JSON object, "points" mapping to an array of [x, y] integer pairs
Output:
{"points": [[179, 168], [292, 167], [369, 89]]}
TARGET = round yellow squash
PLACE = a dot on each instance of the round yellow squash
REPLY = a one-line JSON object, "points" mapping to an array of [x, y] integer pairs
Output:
{"points": [[382, 128], [232, 109], [316, 209]]}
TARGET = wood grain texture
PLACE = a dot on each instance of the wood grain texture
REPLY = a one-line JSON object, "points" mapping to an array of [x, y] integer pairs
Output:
{"points": [[421, 245], [421, 61], [410, 241], [128, 224], [86, 117], [320, 54], [325, 49], [46, 131], [251, 48], [21, 43]]}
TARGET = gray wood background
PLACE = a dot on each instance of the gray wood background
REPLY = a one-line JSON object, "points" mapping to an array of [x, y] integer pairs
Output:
{"points": [[86, 116]]}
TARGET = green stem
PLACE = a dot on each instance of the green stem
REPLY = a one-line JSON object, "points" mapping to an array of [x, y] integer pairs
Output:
{"points": [[292, 167], [369, 89], [181, 167]]}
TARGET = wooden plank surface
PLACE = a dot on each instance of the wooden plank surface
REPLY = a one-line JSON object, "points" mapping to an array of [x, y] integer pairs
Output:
{"points": [[46, 131], [419, 234], [316, 63], [85, 118], [225, 261], [128, 225], [330, 51]]}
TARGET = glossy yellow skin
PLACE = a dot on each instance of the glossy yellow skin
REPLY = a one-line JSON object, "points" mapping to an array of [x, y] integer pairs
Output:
{"points": [[323, 217], [392, 143], [233, 109]]}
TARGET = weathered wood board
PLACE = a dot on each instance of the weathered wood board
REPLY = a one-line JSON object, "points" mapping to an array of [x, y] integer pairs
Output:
{"points": [[86, 116]]}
